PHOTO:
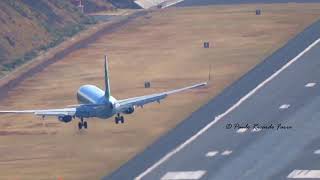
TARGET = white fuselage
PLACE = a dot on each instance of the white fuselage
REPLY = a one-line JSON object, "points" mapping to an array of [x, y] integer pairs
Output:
{"points": [[92, 95]]}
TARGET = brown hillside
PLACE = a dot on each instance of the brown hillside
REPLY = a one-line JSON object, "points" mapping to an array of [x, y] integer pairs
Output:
{"points": [[30, 26]]}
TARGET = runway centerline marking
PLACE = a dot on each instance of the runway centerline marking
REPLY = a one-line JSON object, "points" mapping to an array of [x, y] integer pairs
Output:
{"points": [[178, 175], [311, 84], [298, 174], [284, 106], [212, 153], [219, 117], [317, 151], [256, 130], [242, 130], [226, 152]]}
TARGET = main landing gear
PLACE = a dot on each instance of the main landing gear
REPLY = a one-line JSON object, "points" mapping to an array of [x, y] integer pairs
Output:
{"points": [[119, 119], [82, 124]]}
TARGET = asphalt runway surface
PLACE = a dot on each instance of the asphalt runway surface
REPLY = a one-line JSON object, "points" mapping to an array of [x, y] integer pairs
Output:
{"points": [[290, 99], [217, 2]]}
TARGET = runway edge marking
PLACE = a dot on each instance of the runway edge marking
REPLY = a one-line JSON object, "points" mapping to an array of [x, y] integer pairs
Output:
{"points": [[219, 117]]}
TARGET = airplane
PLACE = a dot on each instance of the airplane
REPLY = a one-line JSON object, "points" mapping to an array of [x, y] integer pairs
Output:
{"points": [[94, 102]]}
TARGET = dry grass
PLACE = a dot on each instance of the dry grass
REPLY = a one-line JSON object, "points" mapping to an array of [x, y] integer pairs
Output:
{"points": [[164, 47]]}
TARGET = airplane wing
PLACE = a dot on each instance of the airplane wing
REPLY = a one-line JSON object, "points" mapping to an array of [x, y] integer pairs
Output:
{"points": [[142, 100], [120, 106], [47, 112], [89, 105]]}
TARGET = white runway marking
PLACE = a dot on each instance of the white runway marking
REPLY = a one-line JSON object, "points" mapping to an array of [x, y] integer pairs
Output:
{"points": [[170, 3], [218, 118], [284, 106], [147, 4], [256, 130], [297, 174], [317, 151], [309, 85], [212, 153], [242, 130], [179, 175], [226, 153]]}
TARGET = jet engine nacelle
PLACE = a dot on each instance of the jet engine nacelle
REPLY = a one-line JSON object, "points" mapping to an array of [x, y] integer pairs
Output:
{"points": [[65, 119], [129, 110]]}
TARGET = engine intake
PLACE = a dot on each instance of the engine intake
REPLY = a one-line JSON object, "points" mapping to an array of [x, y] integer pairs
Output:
{"points": [[65, 119]]}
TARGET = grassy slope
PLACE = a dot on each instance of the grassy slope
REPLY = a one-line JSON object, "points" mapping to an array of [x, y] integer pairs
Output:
{"points": [[164, 47], [97, 5], [30, 26]]}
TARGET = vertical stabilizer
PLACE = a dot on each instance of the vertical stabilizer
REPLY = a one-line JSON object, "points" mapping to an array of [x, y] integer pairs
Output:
{"points": [[106, 79]]}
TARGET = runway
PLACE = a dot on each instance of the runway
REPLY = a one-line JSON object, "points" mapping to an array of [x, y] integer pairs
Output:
{"points": [[203, 148], [291, 99]]}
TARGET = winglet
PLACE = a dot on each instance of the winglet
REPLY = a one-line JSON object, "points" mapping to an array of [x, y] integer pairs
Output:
{"points": [[106, 78]]}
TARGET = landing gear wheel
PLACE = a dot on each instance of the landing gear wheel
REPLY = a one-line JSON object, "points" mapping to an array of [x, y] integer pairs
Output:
{"points": [[80, 125], [116, 120], [122, 119], [85, 124]]}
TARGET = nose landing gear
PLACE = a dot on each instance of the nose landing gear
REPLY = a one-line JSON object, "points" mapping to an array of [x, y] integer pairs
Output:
{"points": [[119, 119]]}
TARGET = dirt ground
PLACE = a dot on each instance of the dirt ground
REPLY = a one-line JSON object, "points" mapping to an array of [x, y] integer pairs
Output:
{"points": [[164, 47]]}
